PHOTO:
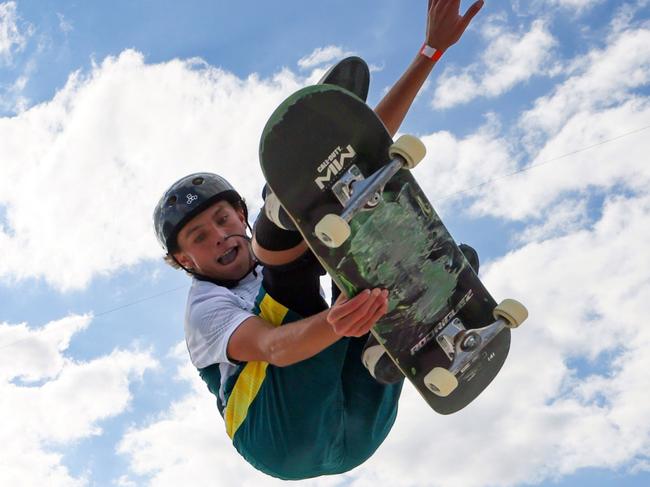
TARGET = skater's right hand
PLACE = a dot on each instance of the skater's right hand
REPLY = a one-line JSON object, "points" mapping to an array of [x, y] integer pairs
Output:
{"points": [[355, 316], [445, 25]]}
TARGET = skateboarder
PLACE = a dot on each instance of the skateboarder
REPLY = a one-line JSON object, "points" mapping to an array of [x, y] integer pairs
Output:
{"points": [[286, 370]]}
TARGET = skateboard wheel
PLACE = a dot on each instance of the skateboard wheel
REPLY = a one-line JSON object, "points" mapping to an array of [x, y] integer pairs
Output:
{"points": [[441, 382], [332, 230], [512, 312], [371, 356], [409, 148]]}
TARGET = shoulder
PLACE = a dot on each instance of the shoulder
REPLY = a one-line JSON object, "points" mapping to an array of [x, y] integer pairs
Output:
{"points": [[207, 302], [202, 291], [206, 295]]}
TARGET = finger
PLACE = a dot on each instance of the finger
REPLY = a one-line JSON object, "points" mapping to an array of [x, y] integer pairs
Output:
{"points": [[380, 311], [347, 317], [366, 325], [373, 313], [469, 15], [364, 310], [341, 310], [450, 6], [342, 298], [352, 324]]}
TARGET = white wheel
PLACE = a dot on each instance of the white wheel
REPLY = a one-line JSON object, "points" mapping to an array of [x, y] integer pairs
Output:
{"points": [[332, 230], [371, 356], [409, 148], [441, 382], [512, 312]]}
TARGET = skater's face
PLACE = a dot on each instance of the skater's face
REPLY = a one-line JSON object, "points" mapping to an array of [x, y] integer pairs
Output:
{"points": [[210, 243]]}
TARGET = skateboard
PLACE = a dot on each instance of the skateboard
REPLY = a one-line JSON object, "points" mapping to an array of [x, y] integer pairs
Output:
{"points": [[352, 74], [349, 190]]}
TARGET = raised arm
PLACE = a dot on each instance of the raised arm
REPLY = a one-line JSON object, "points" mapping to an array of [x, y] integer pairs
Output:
{"points": [[445, 26]]}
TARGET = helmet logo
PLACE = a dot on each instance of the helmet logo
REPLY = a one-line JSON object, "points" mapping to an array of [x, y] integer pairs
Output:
{"points": [[191, 198]]}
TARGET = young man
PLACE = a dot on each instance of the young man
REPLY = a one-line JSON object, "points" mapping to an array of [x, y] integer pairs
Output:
{"points": [[286, 369]]}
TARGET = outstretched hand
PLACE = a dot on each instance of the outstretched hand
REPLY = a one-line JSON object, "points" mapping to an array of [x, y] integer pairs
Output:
{"points": [[356, 316], [445, 25]]}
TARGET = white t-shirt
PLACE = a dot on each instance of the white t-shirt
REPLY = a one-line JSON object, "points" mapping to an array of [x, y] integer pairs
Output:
{"points": [[212, 315]]}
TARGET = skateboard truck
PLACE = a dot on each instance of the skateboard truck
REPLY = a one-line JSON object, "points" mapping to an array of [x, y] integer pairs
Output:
{"points": [[356, 193], [463, 347], [352, 181]]}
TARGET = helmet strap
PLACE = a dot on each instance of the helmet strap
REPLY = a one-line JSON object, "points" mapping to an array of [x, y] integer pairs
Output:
{"points": [[227, 283]]}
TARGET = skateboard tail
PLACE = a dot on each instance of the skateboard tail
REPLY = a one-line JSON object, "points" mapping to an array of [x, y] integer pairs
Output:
{"points": [[278, 116]]}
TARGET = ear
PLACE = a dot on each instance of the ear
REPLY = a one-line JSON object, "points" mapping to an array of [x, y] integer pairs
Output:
{"points": [[240, 214], [183, 259]]}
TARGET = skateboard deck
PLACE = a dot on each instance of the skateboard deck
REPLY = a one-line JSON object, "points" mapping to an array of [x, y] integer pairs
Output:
{"points": [[322, 153]]}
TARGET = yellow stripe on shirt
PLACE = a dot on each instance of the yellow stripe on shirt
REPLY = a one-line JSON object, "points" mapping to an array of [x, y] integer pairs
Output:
{"points": [[250, 380], [272, 311]]}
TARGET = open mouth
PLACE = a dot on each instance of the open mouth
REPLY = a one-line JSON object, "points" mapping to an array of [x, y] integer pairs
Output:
{"points": [[229, 257]]}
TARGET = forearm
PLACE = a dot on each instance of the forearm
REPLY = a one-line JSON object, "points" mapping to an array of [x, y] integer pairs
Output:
{"points": [[291, 343], [393, 107], [257, 340]]}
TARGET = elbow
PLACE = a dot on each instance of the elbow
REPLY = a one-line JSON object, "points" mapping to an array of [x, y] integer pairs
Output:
{"points": [[277, 354], [279, 358]]}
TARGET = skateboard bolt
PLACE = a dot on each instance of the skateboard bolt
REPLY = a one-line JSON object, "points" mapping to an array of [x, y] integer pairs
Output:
{"points": [[470, 342]]}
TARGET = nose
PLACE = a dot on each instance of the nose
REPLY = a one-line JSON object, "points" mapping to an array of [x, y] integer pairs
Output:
{"points": [[220, 236]]}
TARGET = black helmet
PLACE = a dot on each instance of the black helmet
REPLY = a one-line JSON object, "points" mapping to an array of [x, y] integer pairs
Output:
{"points": [[185, 199]]}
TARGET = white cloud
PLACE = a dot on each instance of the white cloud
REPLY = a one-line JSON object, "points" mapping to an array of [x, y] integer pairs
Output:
{"points": [[576, 5], [12, 98], [568, 216], [609, 76], [323, 55], [187, 444], [32, 355], [50, 401], [593, 106], [64, 24], [510, 59], [452, 165], [81, 173], [561, 7], [12, 40]]}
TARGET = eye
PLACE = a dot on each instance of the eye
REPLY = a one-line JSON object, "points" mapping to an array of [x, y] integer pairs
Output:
{"points": [[199, 238]]}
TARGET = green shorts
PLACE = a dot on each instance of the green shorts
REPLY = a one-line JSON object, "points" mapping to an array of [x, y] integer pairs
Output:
{"points": [[325, 415]]}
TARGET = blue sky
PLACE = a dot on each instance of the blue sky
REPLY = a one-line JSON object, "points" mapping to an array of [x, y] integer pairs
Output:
{"points": [[104, 104]]}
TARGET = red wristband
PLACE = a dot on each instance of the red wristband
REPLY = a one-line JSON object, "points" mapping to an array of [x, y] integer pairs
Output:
{"points": [[431, 53]]}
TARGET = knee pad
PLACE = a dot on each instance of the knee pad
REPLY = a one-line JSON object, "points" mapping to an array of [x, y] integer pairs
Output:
{"points": [[271, 237]]}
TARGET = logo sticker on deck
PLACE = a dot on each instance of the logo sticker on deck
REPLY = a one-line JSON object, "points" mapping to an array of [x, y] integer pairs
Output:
{"points": [[333, 165]]}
